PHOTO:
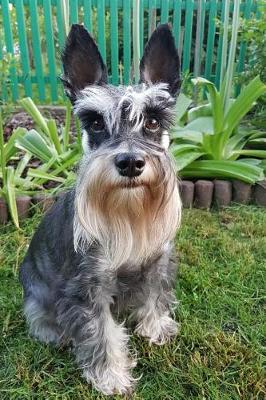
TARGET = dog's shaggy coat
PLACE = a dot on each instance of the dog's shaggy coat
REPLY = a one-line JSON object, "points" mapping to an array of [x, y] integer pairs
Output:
{"points": [[104, 249]]}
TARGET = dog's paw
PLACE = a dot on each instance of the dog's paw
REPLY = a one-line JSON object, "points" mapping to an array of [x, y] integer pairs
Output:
{"points": [[158, 330], [113, 380]]}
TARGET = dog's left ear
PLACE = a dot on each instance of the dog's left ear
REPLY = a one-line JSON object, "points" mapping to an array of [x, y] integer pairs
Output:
{"points": [[82, 62], [160, 62]]}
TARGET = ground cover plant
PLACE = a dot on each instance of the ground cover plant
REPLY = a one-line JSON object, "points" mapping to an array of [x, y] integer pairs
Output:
{"points": [[219, 353]]}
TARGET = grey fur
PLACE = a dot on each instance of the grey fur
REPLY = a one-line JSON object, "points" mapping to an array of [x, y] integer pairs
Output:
{"points": [[74, 298]]}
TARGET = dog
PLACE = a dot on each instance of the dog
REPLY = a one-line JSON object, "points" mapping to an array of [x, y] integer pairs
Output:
{"points": [[104, 251]]}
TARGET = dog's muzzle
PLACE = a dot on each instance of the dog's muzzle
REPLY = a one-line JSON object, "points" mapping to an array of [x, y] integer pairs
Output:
{"points": [[129, 164]]}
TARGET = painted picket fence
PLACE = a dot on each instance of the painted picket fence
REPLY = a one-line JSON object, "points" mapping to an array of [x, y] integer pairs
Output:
{"points": [[32, 34]]}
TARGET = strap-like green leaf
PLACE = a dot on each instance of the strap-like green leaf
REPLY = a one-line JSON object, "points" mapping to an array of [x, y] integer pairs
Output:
{"points": [[243, 104], [37, 173], [37, 117], [54, 135], [11, 196], [36, 145], [217, 106], [182, 104], [223, 169]]}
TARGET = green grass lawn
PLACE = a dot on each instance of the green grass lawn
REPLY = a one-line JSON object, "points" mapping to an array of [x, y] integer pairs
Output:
{"points": [[219, 353]]}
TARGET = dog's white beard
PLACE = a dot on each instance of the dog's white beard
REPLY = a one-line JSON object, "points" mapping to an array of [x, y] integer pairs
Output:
{"points": [[131, 224]]}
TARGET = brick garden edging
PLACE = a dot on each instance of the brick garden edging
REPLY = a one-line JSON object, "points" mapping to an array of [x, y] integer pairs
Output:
{"points": [[199, 194], [206, 193]]}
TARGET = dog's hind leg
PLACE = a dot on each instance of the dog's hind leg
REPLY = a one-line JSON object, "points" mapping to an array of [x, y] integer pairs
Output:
{"points": [[41, 323], [39, 304]]}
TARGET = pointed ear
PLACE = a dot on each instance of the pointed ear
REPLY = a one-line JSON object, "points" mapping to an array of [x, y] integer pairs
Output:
{"points": [[82, 62], [160, 62]]}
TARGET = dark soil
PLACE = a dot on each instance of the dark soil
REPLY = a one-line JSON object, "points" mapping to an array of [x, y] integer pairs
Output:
{"points": [[22, 119]]}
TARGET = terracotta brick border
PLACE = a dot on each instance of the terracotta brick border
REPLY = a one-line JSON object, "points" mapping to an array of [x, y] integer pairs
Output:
{"points": [[199, 194], [205, 193]]}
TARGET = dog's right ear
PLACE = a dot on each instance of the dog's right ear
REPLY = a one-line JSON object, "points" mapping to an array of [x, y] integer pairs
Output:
{"points": [[82, 62]]}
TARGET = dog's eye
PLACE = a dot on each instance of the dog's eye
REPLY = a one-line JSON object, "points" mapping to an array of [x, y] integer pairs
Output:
{"points": [[151, 125], [97, 125]]}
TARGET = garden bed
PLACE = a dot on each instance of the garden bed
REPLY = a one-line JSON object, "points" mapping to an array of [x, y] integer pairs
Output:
{"points": [[18, 118]]}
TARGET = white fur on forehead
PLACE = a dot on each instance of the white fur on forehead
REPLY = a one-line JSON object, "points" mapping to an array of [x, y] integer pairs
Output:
{"points": [[109, 101], [138, 99]]}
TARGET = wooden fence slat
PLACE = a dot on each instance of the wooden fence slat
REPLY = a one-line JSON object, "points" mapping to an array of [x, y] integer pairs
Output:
{"points": [[87, 15], [181, 12], [210, 39], [126, 40], [3, 93], [164, 11], [101, 27], [23, 47], [60, 25], [36, 47], [50, 48], [199, 37], [141, 27], [177, 21], [114, 41], [152, 17], [188, 35], [243, 45], [219, 68], [73, 11], [10, 48]]}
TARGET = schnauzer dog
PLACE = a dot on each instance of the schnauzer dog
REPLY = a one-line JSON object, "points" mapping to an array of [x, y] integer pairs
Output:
{"points": [[104, 249]]}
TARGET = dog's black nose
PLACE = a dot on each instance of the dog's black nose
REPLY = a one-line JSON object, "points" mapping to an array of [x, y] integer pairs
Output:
{"points": [[129, 164]]}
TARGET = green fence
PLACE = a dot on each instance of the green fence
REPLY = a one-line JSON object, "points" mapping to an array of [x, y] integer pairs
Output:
{"points": [[32, 33]]}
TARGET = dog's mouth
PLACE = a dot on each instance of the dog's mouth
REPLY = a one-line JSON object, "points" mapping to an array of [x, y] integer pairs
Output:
{"points": [[131, 183]]}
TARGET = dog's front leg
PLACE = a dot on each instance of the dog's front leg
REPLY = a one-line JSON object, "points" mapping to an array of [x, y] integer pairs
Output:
{"points": [[100, 344], [156, 300]]}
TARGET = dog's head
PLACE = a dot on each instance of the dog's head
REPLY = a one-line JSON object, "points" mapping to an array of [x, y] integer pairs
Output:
{"points": [[126, 173]]}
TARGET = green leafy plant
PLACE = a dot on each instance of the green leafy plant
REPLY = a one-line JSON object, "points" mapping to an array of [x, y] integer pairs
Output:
{"points": [[253, 33], [13, 183], [52, 146], [208, 139], [210, 142]]}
